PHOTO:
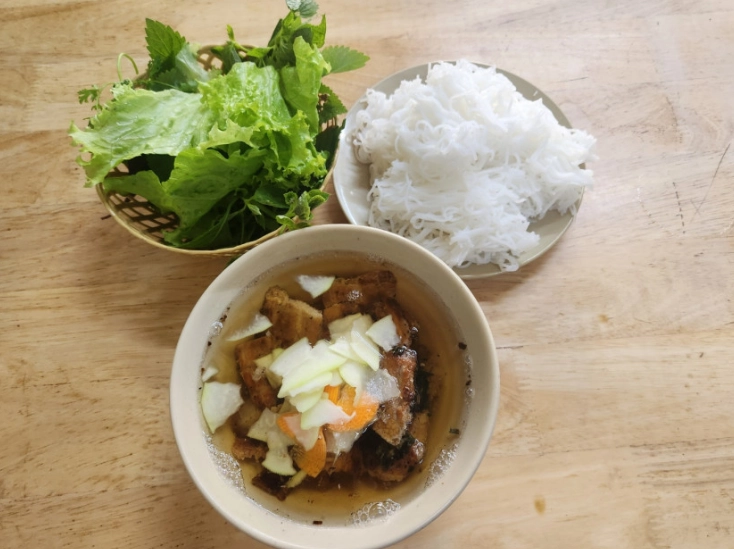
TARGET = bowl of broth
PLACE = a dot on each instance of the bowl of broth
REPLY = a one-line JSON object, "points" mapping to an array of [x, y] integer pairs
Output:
{"points": [[335, 387]]}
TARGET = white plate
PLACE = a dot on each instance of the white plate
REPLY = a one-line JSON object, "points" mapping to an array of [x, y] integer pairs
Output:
{"points": [[352, 178]]}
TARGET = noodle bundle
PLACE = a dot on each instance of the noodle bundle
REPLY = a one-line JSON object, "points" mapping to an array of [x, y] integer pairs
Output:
{"points": [[462, 164]]}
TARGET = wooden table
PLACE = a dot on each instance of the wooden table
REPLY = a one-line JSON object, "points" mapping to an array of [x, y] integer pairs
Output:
{"points": [[616, 427]]}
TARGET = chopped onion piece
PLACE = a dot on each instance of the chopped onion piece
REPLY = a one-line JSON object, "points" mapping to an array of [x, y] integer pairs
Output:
{"points": [[304, 401], [264, 424], [342, 326], [321, 413], [305, 437], [367, 351], [320, 360], [278, 460], [296, 479], [264, 361], [336, 379], [315, 285], [218, 402], [384, 333], [209, 372], [362, 324], [343, 346], [355, 374], [291, 358], [258, 324], [318, 382]]}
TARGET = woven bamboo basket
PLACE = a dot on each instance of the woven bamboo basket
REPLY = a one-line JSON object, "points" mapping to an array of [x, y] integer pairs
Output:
{"points": [[143, 220]]}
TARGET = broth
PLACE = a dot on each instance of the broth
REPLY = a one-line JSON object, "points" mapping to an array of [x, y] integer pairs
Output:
{"points": [[351, 501]]}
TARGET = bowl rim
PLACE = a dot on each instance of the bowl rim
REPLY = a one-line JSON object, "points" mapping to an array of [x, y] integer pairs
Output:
{"points": [[280, 531]]}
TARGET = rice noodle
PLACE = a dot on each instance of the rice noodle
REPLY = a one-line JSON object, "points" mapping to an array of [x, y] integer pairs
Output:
{"points": [[462, 163]]}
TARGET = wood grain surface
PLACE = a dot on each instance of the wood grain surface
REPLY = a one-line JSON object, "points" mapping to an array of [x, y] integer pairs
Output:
{"points": [[616, 426]]}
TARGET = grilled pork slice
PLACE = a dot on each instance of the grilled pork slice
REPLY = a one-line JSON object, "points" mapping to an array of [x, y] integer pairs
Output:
{"points": [[419, 428], [244, 418], [344, 463], [395, 416], [246, 448], [387, 463], [362, 289], [292, 319], [261, 392], [273, 484], [340, 310]]}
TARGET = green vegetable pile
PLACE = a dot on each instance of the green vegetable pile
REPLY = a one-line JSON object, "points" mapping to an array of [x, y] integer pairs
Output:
{"points": [[236, 151]]}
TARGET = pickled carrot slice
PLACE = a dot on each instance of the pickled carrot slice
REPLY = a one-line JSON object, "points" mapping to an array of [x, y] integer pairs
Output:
{"points": [[311, 461]]}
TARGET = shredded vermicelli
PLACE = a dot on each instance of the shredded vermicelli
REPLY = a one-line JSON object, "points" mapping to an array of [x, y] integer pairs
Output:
{"points": [[462, 163]]}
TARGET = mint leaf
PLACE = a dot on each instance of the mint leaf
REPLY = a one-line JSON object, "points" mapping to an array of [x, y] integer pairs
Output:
{"points": [[305, 8], [326, 143], [315, 35], [299, 212], [280, 52], [185, 75], [330, 106], [163, 42], [343, 59], [173, 61]]}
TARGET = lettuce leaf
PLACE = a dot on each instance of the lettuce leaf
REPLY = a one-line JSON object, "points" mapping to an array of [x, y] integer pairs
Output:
{"points": [[200, 179], [138, 122], [301, 83], [249, 96]]}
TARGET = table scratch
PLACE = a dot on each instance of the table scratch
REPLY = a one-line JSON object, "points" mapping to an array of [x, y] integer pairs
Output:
{"points": [[680, 208], [712, 181]]}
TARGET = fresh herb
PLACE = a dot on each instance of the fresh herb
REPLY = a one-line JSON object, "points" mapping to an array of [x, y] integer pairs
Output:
{"points": [[234, 151], [343, 59], [91, 95], [306, 8]]}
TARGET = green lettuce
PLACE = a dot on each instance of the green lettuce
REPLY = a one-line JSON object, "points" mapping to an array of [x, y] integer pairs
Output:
{"points": [[301, 83], [234, 152], [137, 122]]}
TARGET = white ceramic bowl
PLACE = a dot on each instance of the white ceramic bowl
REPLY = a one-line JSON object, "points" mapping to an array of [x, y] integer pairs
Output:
{"points": [[451, 467]]}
